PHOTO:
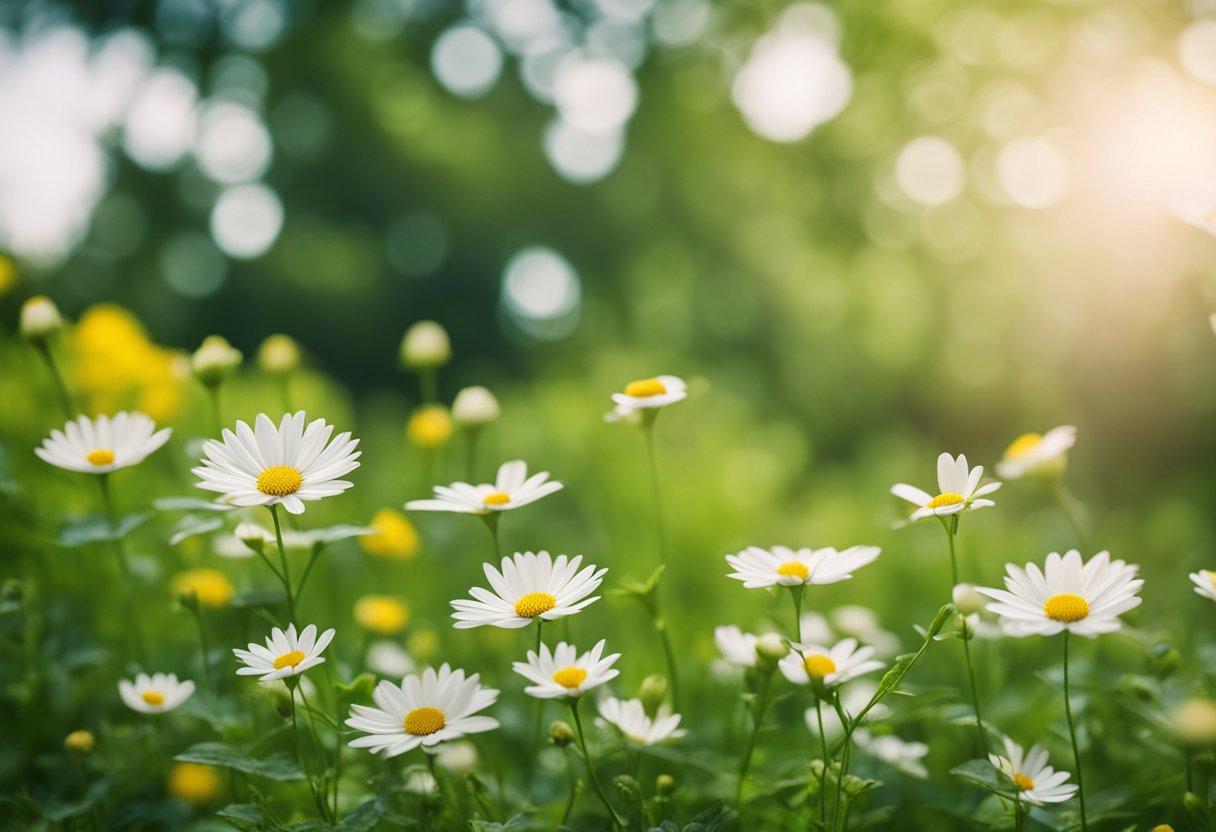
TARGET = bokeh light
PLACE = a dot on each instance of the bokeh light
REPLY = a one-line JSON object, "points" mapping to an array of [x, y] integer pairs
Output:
{"points": [[1033, 172], [929, 170], [466, 61], [541, 292], [246, 220]]}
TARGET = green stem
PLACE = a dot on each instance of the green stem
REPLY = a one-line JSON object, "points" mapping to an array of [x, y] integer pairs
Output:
{"points": [[796, 592], [428, 383], [316, 551], [470, 447], [316, 741], [849, 727], [1068, 506], [823, 778], [660, 625], [217, 410], [491, 520], [574, 790], [322, 809], [951, 532], [1072, 735], [65, 400], [124, 565], [653, 460], [758, 712], [595, 781], [1019, 817], [202, 637], [286, 576]]}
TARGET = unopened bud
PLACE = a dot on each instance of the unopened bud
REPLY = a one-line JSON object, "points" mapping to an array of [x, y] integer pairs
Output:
{"points": [[252, 535], [1195, 720], [40, 319], [279, 355], [854, 785], [560, 733], [628, 790], [770, 649], [1194, 804], [968, 600], [652, 693], [214, 360], [79, 742], [474, 407], [425, 346], [664, 785]]}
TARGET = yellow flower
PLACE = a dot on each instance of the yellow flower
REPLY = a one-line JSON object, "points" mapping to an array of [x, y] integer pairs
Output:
{"points": [[395, 536], [381, 614], [117, 367], [79, 742], [194, 783], [430, 426], [210, 586]]}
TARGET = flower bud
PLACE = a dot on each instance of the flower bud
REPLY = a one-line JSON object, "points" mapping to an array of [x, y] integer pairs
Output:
{"points": [[40, 319], [474, 407], [628, 790], [1163, 827], [252, 535], [279, 355], [425, 346], [214, 360], [1195, 804], [429, 426], [1195, 721], [560, 733], [770, 649], [968, 600], [79, 742], [664, 785], [652, 693]]}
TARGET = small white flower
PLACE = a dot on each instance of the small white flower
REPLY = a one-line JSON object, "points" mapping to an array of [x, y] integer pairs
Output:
{"points": [[1037, 783], [1085, 599], [104, 444], [564, 673], [900, 755], [736, 646], [1033, 453], [426, 346], [474, 407], [425, 710], [782, 566], [833, 666], [630, 719], [266, 466], [388, 658], [959, 489], [285, 654], [512, 488], [1205, 583], [530, 586], [651, 393], [40, 319], [155, 694]]}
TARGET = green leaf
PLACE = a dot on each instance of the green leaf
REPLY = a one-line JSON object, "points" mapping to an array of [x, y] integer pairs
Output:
{"points": [[359, 690], [190, 526], [279, 766], [710, 819], [189, 504], [96, 529], [333, 534], [244, 816], [514, 823], [258, 598], [983, 774], [364, 819]]}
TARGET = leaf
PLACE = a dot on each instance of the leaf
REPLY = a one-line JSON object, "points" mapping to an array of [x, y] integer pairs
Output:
{"points": [[279, 766], [189, 504], [190, 526], [710, 819], [96, 529], [333, 534], [365, 818], [513, 823], [244, 816], [983, 774], [258, 598]]}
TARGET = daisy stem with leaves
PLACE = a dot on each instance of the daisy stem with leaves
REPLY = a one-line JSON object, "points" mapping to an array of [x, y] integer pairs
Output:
{"points": [[285, 575], [760, 704], [950, 524], [61, 389], [595, 781], [107, 499], [823, 777], [660, 623], [322, 805], [1072, 735]]}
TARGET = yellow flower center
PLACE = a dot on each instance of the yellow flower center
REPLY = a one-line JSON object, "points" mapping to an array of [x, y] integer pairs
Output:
{"points": [[153, 697], [820, 666], [570, 677], [1023, 445], [498, 498], [1212, 578], [644, 388], [947, 499], [288, 660], [279, 481], [1023, 782], [534, 603], [1066, 607], [793, 569], [101, 456], [423, 721]]}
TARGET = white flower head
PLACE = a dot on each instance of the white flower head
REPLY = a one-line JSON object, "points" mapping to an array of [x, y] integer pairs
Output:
{"points": [[288, 465], [830, 666], [958, 486], [285, 653], [1084, 599], [530, 586], [736, 646], [1205, 583], [104, 444], [903, 756], [1033, 453], [1037, 783], [155, 694], [782, 566], [424, 710], [651, 393], [40, 319], [630, 719], [564, 673], [512, 488], [475, 407]]}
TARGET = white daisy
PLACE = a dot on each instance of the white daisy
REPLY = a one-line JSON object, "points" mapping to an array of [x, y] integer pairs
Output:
{"points": [[564, 673], [512, 488], [736, 646], [959, 489], [900, 755], [831, 666], [425, 710], [630, 719], [1037, 783], [1085, 599], [266, 466], [285, 654], [155, 694], [104, 444], [1033, 453], [760, 568], [651, 393], [1205, 583], [530, 586]]}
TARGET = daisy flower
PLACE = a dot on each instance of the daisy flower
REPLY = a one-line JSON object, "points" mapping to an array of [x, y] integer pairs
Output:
{"points": [[564, 673], [425, 710], [898, 754], [736, 646], [760, 568], [266, 466], [1084, 599], [530, 586], [1205, 583], [651, 393], [1037, 783], [512, 488], [155, 694], [104, 444], [285, 653], [630, 719], [959, 489], [831, 666], [1034, 453]]}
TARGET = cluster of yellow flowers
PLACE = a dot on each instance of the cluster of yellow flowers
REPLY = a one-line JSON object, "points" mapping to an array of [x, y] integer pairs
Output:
{"points": [[117, 366]]}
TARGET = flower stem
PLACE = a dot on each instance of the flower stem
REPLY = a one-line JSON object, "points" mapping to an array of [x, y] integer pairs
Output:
{"points": [[491, 521], [660, 625], [316, 551], [796, 592], [120, 552], [1072, 735], [653, 460], [322, 808], [951, 531], [595, 782], [823, 778], [758, 712], [217, 410], [65, 400], [1068, 506], [202, 637], [286, 574]]}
